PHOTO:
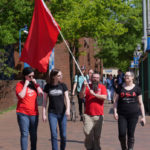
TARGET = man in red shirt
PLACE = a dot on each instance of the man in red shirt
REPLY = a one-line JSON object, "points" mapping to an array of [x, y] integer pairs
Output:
{"points": [[93, 117]]}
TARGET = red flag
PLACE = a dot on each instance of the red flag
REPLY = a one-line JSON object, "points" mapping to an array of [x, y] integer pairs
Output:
{"points": [[41, 38]]}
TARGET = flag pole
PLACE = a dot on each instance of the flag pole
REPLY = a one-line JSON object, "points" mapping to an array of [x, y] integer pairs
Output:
{"points": [[48, 11], [72, 55]]}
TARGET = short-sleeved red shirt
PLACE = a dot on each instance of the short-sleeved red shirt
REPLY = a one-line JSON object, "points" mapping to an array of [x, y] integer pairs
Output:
{"points": [[28, 104], [93, 105]]}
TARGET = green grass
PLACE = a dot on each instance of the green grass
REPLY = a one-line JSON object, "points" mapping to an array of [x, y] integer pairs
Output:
{"points": [[8, 109]]}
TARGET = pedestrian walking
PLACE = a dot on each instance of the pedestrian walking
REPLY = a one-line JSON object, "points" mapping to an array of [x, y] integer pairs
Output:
{"points": [[127, 106], [108, 86], [120, 78], [58, 109], [27, 109], [93, 117], [112, 87], [78, 82]]}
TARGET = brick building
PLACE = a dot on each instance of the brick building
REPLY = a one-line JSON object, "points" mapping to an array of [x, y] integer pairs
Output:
{"points": [[87, 52]]}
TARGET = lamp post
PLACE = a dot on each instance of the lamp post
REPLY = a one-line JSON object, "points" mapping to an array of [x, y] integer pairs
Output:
{"points": [[25, 30], [148, 17], [144, 38]]}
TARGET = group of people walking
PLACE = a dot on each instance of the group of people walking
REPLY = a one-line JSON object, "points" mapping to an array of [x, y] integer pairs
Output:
{"points": [[27, 109], [112, 82], [128, 105]]}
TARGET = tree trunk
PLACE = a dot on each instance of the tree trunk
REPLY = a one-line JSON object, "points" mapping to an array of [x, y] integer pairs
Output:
{"points": [[71, 65], [76, 47]]}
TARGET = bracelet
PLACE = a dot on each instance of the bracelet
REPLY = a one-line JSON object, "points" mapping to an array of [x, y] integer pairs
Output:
{"points": [[37, 85]]}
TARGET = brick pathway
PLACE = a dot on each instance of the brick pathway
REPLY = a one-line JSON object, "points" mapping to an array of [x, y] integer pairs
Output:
{"points": [[9, 133]]}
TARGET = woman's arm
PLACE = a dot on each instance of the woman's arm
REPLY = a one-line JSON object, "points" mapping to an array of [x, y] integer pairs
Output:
{"points": [[23, 91], [116, 97], [39, 90], [142, 109], [44, 107], [67, 100]]}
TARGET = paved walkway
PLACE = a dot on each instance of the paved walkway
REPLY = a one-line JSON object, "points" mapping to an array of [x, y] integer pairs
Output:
{"points": [[9, 133]]}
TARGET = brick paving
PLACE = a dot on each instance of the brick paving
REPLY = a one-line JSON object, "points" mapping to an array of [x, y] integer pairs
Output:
{"points": [[9, 133]]}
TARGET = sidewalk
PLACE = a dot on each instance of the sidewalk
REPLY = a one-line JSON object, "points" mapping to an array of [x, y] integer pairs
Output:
{"points": [[9, 133]]}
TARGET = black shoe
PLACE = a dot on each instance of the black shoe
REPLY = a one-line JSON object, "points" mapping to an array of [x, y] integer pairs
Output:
{"points": [[123, 143], [81, 118]]}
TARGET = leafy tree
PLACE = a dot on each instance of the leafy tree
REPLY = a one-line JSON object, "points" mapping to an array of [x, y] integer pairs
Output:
{"points": [[116, 25], [14, 15], [117, 49], [100, 20], [6, 70], [69, 14]]}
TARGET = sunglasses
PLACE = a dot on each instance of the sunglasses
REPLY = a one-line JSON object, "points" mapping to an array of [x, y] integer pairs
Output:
{"points": [[31, 76]]}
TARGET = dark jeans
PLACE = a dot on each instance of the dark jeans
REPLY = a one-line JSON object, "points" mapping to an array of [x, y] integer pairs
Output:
{"points": [[62, 122], [127, 125], [28, 124], [81, 101]]}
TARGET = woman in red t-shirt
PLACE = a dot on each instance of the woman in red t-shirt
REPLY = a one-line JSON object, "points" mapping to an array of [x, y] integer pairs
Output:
{"points": [[27, 108]]}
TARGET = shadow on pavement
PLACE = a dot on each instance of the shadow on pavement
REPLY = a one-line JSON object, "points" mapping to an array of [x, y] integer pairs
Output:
{"points": [[110, 120], [71, 141], [1, 147]]}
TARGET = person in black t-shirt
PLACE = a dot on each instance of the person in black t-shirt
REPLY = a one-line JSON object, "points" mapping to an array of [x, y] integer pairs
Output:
{"points": [[120, 78], [58, 109], [127, 106]]}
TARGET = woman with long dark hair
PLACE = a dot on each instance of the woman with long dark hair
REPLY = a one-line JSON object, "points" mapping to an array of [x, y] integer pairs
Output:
{"points": [[128, 105], [27, 108], [59, 107]]}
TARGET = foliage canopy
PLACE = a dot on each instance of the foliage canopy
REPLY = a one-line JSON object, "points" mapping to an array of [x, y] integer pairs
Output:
{"points": [[116, 25]]}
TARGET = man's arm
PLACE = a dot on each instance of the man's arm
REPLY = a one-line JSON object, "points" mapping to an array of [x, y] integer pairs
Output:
{"points": [[102, 97]]}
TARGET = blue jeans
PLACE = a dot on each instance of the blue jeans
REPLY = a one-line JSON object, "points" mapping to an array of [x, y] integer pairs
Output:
{"points": [[62, 122], [28, 124]]}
